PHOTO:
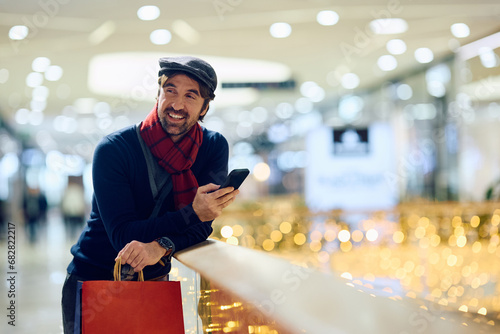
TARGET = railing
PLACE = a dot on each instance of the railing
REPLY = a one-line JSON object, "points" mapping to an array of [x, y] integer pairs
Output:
{"points": [[232, 289]]}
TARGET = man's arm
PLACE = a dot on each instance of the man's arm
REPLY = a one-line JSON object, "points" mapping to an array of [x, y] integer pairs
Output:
{"points": [[120, 201], [208, 205]]}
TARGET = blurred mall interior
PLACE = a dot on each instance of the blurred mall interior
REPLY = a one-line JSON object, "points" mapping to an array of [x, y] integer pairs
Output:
{"points": [[370, 129]]}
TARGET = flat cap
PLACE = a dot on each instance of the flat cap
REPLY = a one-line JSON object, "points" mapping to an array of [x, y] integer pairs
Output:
{"points": [[192, 65]]}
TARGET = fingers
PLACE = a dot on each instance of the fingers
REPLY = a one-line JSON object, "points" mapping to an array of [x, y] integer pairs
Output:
{"points": [[227, 198], [134, 254], [208, 188], [140, 255], [224, 192], [208, 206]]}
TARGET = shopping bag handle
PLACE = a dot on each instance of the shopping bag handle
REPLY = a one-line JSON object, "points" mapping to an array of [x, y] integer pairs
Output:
{"points": [[117, 272]]}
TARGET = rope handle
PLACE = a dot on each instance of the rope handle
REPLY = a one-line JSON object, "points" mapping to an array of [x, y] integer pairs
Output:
{"points": [[117, 272]]}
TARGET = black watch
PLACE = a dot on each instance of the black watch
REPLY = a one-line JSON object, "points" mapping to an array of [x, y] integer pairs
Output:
{"points": [[165, 243]]}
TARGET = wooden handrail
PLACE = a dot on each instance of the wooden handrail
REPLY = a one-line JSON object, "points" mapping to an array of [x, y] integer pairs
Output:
{"points": [[304, 300]]}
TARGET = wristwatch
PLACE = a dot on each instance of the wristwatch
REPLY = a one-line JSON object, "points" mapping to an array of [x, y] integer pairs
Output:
{"points": [[167, 244]]}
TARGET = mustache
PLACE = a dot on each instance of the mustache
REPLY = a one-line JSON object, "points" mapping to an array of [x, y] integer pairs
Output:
{"points": [[180, 112]]}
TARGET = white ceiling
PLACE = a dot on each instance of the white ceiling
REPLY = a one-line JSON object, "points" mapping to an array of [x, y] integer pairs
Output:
{"points": [[60, 30]]}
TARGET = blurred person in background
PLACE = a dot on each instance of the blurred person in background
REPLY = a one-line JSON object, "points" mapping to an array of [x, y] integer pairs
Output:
{"points": [[125, 221], [73, 208], [35, 212]]}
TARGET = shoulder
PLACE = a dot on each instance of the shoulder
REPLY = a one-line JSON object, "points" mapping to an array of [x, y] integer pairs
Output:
{"points": [[118, 142], [213, 138], [122, 136]]}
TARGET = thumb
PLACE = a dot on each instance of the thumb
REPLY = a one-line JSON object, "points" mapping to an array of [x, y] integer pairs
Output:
{"points": [[208, 188]]}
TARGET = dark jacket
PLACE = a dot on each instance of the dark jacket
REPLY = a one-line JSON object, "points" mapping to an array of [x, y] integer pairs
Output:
{"points": [[123, 201]]}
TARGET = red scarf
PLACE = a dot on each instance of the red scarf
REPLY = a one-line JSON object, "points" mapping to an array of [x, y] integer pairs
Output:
{"points": [[177, 158]]}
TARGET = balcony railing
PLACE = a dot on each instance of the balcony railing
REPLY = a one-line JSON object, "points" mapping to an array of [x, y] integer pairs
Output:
{"points": [[232, 289]]}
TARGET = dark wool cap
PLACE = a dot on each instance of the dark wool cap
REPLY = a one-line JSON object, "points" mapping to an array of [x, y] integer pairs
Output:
{"points": [[192, 65]]}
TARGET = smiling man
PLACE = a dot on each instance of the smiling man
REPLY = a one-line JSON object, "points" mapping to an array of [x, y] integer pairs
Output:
{"points": [[156, 184]]}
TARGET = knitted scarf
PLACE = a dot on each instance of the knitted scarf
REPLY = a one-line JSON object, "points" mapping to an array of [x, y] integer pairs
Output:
{"points": [[176, 158]]}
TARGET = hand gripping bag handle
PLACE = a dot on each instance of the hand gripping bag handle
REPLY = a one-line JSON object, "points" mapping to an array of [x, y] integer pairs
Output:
{"points": [[118, 270]]}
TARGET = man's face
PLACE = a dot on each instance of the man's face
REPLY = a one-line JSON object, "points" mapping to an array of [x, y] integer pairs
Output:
{"points": [[179, 105]]}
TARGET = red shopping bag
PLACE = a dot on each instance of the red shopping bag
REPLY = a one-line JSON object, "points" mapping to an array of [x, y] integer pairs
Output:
{"points": [[131, 307]]}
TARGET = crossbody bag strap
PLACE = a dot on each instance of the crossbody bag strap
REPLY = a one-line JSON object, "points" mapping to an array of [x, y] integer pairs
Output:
{"points": [[159, 179]]}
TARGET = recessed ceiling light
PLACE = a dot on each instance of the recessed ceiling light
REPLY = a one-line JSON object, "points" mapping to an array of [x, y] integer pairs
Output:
{"points": [[40, 93], [350, 81], [404, 92], [460, 30], [396, 46], [53, 73], [18, 33], [34, 79], [424, 55], [40, 64], [488, 57], [388, 26], [327, 18], [350, 107], [280, 30], [160, 37], [148, 13], [387, 63], [436, 89]]}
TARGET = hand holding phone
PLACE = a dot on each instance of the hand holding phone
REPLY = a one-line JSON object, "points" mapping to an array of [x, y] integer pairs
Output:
{"points": [[235, 178]]}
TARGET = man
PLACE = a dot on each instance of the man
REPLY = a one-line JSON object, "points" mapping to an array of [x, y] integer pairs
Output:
{"points": [[121, 223]]}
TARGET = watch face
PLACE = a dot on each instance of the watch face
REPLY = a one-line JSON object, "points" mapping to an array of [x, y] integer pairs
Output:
{"points": [[164, 244]]}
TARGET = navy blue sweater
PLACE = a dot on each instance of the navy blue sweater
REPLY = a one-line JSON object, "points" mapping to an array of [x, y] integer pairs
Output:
{"points": [[122, 203]]}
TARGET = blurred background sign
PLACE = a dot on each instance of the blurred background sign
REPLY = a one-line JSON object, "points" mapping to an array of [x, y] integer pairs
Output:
{"points": [[347, 168]]}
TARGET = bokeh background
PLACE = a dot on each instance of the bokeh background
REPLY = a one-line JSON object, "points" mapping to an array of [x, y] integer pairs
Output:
{"points": [[370, 129]]}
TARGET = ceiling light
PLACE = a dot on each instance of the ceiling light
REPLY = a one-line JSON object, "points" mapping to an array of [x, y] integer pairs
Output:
{"points": [[311, 90], [396, 46], [22, 116], [471, 50], [306, 87], [18, 33], [488, 57], [387, 63], [40, 64], [34, 79], [440, 73], [40, 93], [424, 55], [280, 30], [37, 105], [350, 107], [54, 73], [160, 37], [460, 30], [327, 18], [388, 26], [148, 13], [404, 92], [436, 88], [350, 81]]}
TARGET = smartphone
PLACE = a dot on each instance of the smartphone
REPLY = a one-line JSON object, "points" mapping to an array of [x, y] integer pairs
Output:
{"points": [[235, 178]]}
